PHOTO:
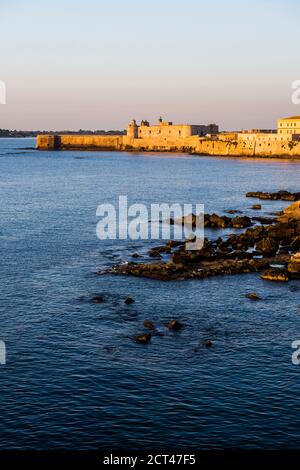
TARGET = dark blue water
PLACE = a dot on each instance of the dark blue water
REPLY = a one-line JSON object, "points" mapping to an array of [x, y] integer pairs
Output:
{"points": [[74, 379]]}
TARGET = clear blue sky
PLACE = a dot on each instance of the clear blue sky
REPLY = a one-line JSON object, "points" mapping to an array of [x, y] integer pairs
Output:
{"points": [[96, 64]]}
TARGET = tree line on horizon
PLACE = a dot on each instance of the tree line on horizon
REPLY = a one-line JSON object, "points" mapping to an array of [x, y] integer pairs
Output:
{"points": [[20, 133]]}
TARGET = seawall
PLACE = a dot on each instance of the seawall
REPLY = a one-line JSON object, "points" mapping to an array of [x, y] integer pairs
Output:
{"points": [[79, 142], [193, 144]]}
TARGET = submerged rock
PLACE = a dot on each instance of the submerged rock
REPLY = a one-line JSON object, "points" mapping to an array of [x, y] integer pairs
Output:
{"points": [[148, 324], [98, 299], [175, 325], [232, 211], [143, 338], [253, 296]]}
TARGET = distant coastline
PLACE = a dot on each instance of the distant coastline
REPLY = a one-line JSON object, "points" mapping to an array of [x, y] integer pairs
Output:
{"points": [[6, 133], [201, 139]]}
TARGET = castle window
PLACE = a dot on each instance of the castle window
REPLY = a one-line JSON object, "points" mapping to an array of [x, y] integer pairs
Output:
{"points": [[179, 133]]}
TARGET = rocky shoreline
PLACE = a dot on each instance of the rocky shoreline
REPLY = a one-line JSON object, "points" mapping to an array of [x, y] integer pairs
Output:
{"points": [[270, 247]]}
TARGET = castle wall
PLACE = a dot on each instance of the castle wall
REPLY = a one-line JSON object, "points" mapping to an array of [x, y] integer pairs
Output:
{"points": [[84, 142], [164, 131], [163, 144], [193, 144], [91, 141], [249, 148]]}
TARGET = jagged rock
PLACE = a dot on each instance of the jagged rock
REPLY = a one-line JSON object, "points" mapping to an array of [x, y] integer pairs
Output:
{"points": [[241, 222], [175, 325], [232, 211], [279, 195], [267, 246], [295, 244], [276, 274], [255, 233], [216, 221], [284, 250], [192, 256], [281, 231], [239, 253], [192, 220], [174, 243], [264, 220], [161, 249], [253, 296], [294, 265], [167, 271], [129, 301], [154, 253], [291, 212], [276, 213], [148, 324], [144, 338]]}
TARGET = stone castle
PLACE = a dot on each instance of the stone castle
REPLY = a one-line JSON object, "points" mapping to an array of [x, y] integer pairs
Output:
{"points": [[198, 139]]}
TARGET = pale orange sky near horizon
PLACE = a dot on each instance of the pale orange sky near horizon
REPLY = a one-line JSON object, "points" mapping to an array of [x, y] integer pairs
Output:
{"points": [[91, 65]]}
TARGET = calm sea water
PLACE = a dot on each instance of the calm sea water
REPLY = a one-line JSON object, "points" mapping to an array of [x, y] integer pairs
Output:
{"points": [[74, 379]]}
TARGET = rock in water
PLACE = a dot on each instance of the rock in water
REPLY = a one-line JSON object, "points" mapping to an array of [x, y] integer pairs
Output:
{"points": [[275, 274], [98, 299], [129, 301], [241, 222], [291, 212], [294, 265], [148, 324], [278, 196], [253, 296], [207, 344], [175, 325], [143, 338], [267, 246]]}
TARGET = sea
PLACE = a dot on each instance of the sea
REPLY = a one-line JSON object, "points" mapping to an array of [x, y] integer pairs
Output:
{"points": [[74, 378]]}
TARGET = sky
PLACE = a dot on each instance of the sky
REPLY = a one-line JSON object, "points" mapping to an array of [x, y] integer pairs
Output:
{"points": [[96, 64]]}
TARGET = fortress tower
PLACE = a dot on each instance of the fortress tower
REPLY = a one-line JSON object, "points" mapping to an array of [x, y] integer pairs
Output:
{"points": [[133, 130]]}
